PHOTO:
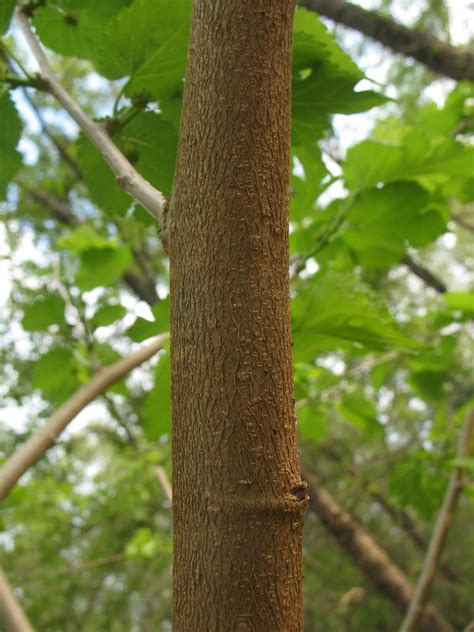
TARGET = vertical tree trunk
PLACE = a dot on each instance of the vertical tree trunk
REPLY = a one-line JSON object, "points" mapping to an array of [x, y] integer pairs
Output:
{"points": [[238, 498]]}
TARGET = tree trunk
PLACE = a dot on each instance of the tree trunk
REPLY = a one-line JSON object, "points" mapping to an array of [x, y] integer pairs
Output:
{"points": [[238, 498], [379, 569]]}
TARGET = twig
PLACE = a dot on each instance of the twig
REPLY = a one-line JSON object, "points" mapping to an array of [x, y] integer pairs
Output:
{"points": [[127, 176], [461, 221], [440, 531], [164, 482], [46, 436], [425, 275], [11, 613]]}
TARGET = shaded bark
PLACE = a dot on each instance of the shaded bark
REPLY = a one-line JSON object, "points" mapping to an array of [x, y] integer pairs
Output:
{"points": [[429, 50], [369, 556], [238, 498]]}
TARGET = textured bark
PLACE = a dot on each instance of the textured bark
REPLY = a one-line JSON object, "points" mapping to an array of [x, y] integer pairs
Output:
{"points": [[372, 560], [238, 498], [424, 47]]}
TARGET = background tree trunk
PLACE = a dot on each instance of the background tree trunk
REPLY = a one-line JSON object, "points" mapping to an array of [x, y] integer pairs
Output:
{"points": [[238, 498]]}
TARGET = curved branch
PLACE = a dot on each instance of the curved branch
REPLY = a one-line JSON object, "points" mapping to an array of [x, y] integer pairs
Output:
{"points": [[429, 50], [440, 531], [11, 612], [127, 176], [46, 436]]}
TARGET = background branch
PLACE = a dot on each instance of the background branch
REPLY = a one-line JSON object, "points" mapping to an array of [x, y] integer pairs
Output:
{"points": [[429, 50], [440, 531], [11, 613], [46, 436], [368, 555]]}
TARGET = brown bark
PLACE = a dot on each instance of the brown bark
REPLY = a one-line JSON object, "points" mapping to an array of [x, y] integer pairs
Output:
{"points": [[429, 50], [372, 560], [238, 498]]}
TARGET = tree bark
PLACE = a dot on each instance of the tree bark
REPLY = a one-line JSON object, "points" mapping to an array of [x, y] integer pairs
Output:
{"points": [[238, 498], [372, 560], [429, 50]]}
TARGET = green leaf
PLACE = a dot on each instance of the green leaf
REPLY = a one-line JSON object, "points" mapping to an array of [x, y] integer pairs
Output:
{"points": [[324, 80], [335, 310], [382, 222], [43, 313], [370, 163], [460, 301], [102, 267], [73, 28], [414, 482], [101, 182], [306, 187], [85, 238], [314, 45], [428, 384], [156, 417], [312, 423], [10, 132], [152, 141], [143, 329], [107, 315], [149, 142], [6, 12], [55, 374], [361, 413], [148, 43]]}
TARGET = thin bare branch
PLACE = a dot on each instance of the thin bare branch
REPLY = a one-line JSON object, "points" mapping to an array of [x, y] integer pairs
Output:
{"points": [[46, 436], [127, 176], [425, 275], [463, 222], [164, 482], [445, 517], [11, 613]]}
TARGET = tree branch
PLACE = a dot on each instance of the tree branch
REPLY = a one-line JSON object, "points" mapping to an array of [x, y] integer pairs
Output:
{"points": [[461, 221], [429, 50], [46, 436], [164, 482], [440, 531], [425, 275], [127, 176], [11, 613], [369, 556]]}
